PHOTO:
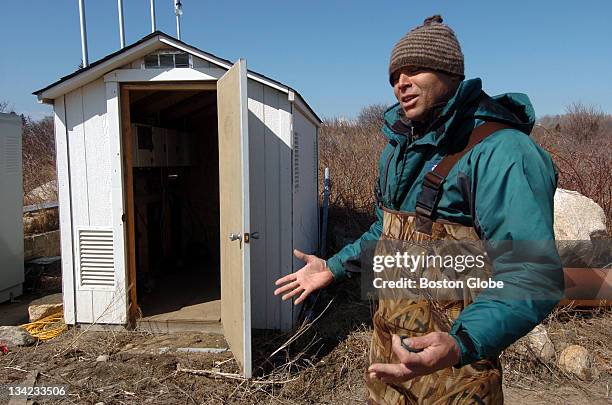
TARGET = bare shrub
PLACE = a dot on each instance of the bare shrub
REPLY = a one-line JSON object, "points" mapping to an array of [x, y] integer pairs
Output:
{"points": [[583, 122], [351, 150], [5, 107], [580, 143], [38, 154]]}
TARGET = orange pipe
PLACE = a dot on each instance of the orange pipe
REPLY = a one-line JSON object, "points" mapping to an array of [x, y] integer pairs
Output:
{"points": [[587, 287]]}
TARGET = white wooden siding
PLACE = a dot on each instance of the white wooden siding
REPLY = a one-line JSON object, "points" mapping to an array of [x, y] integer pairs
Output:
{"points": [[63, 183], [270, 176], [91, 190], [305, 190]]}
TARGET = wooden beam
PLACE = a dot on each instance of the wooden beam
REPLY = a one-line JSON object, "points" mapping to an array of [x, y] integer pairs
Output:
{"points": [[189, 105], [160, 100], [128, 184], [138, 95], [171, 86]]}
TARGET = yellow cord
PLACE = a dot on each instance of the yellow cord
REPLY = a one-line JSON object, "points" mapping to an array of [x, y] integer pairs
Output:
{"points": [[48, 327]]}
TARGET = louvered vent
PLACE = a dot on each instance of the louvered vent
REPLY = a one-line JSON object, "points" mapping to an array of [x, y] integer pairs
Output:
{"points": [[296, 160], [96, 257], [12, 154], [167, 59]]}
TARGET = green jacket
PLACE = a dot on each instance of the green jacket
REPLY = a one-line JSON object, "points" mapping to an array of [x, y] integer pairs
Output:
{"points": [[509, 182]]}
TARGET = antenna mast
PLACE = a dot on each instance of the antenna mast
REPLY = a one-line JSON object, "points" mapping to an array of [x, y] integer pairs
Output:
{"points": [[153, 16], [83, 33], [121, 28], [178, 11]]}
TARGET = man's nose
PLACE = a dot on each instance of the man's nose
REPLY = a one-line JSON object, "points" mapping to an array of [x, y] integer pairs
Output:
{"points": [[404, 80], [404, 85]]}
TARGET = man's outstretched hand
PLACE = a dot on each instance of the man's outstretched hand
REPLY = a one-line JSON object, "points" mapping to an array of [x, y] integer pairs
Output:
{"points": [[311, 277], [439, 351]]}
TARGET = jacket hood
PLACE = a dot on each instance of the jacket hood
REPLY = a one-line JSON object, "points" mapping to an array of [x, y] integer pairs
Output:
{"points": [[470, 101]]}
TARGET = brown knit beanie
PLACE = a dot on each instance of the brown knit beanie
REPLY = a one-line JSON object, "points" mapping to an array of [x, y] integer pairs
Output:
{"points": [[432, 45]]}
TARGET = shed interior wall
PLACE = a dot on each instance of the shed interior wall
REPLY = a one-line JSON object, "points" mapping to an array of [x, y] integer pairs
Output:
{"points": [[176, 200]]}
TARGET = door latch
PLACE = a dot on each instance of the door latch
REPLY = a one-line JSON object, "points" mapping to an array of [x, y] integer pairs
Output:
{"points": [[249, 236]]}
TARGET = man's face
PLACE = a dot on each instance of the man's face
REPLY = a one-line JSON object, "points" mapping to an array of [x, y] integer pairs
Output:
{"points": [[418, 89]]}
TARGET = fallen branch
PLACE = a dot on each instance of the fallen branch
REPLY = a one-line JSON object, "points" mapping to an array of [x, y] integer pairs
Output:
{"points": [[231, 376]]}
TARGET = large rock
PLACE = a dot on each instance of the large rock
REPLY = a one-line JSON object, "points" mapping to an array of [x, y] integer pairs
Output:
{"points": [[45, 306], [574, 360], [45, 192], [579, 225], [577, 217], [540, 344], [15, 336]]}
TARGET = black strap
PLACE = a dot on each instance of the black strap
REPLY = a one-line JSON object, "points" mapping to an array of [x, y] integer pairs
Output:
{"points": [[431, 190]]}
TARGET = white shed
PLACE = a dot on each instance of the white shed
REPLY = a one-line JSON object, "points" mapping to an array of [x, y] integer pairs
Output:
{"points": [[185, 182]]}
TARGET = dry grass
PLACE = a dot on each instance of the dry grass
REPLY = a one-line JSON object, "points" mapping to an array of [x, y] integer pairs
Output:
{"points": [[589, 328], [325, 365], [351, 150]]}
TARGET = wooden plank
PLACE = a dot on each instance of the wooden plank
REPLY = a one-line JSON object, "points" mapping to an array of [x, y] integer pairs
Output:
{"points": [[305, 198], [171, 86], [84, 306], [97, 150], [114, 129], [285, 202], [79, 193], [164, 75], [65, 212], [234, 213], [257, 158], [271, 172], [128, 187], [102, 138]]}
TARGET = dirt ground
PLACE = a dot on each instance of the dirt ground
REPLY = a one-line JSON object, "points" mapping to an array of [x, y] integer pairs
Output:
{"points": [[325, 365]]}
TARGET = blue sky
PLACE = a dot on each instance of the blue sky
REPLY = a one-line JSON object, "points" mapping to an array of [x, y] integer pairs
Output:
{"points": [[335, 53]]}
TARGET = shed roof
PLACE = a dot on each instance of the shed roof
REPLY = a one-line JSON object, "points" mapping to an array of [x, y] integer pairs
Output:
{"points": [[140, 48]]}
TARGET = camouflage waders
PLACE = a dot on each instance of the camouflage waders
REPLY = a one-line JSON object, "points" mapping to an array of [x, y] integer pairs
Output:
{"points": [[432, 310]]}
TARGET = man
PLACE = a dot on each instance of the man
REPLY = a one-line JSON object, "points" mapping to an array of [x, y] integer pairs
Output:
{"points": [[459, 165]]}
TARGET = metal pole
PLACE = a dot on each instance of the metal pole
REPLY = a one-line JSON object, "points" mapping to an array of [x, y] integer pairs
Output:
{"points": [[83, 33], [153, 29], [121, 28], [178, 10], [326, 191]]}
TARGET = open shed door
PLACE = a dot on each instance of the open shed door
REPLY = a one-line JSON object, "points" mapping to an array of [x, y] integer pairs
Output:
{"points": [[234, 212]]}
